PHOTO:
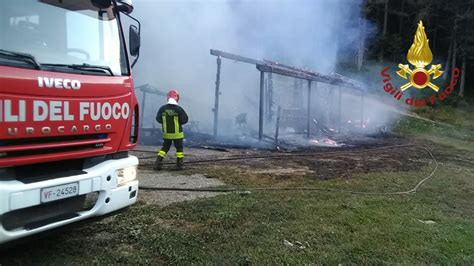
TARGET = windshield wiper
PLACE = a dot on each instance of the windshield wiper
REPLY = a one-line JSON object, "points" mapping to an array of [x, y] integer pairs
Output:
{"points": [[20, 56], [87, 66], [84, 66]]}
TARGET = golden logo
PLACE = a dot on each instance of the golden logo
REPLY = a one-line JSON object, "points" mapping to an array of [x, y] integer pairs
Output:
{"points": [[420, 56]]}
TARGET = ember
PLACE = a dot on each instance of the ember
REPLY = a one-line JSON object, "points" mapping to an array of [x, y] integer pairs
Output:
{"points": [[325, 142]]}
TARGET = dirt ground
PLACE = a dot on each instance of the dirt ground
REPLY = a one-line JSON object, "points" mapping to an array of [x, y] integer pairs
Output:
{"points": [[320, 162]]}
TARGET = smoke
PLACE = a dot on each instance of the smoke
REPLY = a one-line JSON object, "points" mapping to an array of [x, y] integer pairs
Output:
{"points": [[177, 36]]}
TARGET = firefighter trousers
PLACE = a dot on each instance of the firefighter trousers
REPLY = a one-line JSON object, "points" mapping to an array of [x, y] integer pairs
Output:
{"points": [[178, 144]]}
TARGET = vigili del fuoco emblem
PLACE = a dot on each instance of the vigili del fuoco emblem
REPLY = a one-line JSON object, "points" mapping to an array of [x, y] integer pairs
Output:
{"points": [[419, 55]]}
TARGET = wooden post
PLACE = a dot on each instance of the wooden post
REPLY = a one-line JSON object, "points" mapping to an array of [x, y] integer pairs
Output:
{"points": [[277, 124], [265, 104], [294, 102], [362, 110], [260, 114], [308, 124], [270, 96], [216, 97], [339, 115], [143, 109]]}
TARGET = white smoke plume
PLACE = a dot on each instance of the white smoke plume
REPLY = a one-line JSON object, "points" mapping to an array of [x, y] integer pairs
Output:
{"points": [[177, 36]]}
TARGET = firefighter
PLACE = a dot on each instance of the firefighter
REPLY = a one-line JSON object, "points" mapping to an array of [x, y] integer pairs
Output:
{"points": [[172, 117]]}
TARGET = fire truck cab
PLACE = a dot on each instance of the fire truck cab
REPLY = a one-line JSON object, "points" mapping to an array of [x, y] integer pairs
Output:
{"points": [[68, 112]]}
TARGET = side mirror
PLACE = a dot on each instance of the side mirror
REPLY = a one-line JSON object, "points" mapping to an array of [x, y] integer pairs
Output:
{"points": [[101, 4], [134, 40]]}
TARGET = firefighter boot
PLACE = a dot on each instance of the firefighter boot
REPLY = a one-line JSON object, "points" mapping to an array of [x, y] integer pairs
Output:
{"points": [[158, 163], [179, 164]]}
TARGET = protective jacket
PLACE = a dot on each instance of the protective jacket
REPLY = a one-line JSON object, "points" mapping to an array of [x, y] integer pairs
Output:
{"points": [[172, 117]]}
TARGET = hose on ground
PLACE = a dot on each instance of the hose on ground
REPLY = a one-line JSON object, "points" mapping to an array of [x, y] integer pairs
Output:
{"points": [[255, 189], [288, 155]]}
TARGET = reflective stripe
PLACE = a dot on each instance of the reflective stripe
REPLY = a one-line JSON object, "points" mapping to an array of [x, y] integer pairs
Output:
{"points": [[164, 124], [176, 134], [179, 155], [176, 124], [162, 153], [179, 135]]}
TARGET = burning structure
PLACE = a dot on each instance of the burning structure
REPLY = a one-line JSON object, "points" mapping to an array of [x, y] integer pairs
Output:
{"points": [[243, 104], [285, 111], [299, 118]]}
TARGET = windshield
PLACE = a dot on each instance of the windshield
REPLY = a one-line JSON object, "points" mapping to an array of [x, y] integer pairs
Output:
{"points": [[62, 33]]}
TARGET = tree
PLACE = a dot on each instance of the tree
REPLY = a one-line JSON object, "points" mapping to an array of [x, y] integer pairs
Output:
{"points": [[449, 26], [462, 37], [384, 31]]}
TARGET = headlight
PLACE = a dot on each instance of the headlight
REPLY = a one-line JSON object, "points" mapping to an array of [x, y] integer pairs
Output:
{"points": [[127, 174]]}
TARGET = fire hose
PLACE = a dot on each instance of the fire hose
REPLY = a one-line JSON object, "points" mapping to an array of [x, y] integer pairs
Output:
{"points": [[255, 189]]}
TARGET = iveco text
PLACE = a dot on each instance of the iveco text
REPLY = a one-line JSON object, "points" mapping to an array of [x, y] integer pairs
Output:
{"points": [[59, 83]]}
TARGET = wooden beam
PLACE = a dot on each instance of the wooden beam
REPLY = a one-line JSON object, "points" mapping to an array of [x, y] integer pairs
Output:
{"points": [[283, 72], [149, 89], [235, 57], [290, 71]]}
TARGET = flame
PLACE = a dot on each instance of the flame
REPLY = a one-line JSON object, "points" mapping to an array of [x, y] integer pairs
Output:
{"points": [[420, 54]]}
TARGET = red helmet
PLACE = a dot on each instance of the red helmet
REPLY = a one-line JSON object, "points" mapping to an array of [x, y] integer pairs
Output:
{"points": [[173, 94]]}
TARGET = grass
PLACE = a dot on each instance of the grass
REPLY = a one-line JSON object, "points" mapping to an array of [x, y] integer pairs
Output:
{"points": [[251, 228], [460, 116], [331, 228], [459, 136]]}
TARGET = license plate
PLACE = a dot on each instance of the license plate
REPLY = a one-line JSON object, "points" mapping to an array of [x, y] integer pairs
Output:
{"points": [[59, 192]]}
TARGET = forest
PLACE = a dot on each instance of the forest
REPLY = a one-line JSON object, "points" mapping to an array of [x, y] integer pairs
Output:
{"points": [[391, 25]]}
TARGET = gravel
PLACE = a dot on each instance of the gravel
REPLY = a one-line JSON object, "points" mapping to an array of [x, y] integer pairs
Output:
{"points": [[167, 179]]}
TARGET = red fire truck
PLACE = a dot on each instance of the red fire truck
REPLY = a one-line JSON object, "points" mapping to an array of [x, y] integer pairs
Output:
{"points": [[68, 112]]}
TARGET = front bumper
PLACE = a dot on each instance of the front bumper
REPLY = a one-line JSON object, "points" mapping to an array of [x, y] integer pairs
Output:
{"points": [[101, 180]]}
